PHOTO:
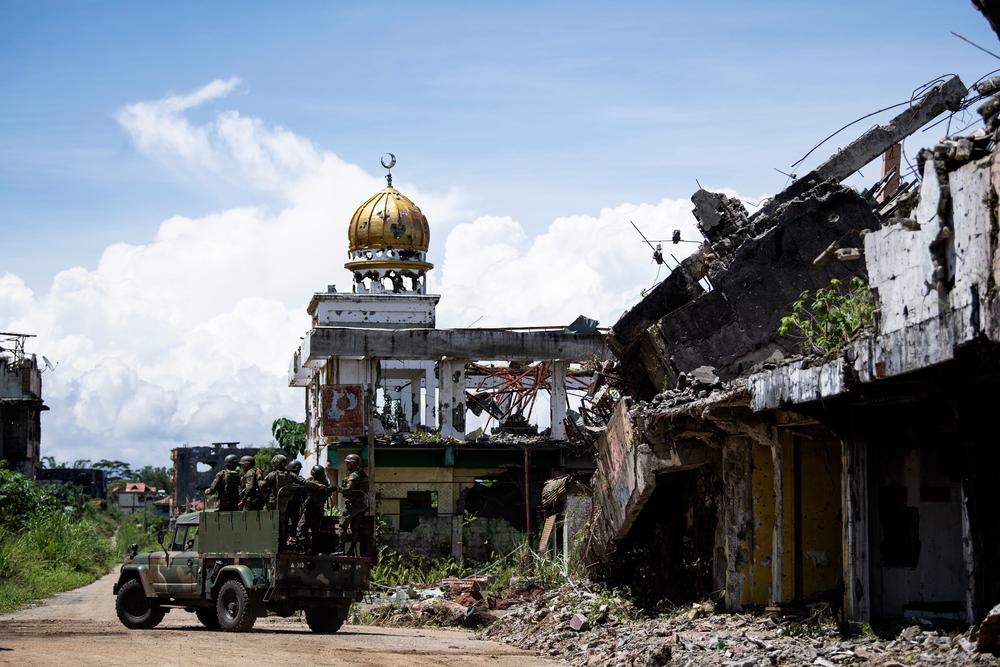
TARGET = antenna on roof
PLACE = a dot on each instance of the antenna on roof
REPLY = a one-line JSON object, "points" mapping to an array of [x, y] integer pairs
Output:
{"points": [[657, 250]]}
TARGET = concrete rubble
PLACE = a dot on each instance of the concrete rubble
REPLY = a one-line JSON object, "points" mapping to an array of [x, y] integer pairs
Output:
{"points": [[551, 625]]}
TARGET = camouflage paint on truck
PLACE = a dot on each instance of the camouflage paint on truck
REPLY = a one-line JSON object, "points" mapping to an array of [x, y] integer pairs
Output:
{"points": [[209, 549]]}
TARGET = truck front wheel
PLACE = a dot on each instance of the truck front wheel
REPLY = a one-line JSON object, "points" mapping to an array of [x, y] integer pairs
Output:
{"points": [[233, 607], [135, 610], [323, 621]]}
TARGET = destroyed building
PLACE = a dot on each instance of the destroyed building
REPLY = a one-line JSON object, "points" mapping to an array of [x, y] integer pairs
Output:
{"points": [[21, 405], [196, 467], [383, 381], [862, 476]]}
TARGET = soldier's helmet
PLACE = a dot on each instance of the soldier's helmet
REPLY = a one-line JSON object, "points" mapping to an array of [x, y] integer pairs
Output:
{"points": [[353, 458], [278, 461], [295, 466], [247, 459], [318, 473], [230, 461]]}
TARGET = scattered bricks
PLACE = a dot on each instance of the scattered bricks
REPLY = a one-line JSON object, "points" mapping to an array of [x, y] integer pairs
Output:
{"points": [[579, 623]]}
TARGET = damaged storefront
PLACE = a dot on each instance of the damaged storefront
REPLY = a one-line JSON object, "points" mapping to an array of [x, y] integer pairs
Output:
{"points": [[775, 474]]}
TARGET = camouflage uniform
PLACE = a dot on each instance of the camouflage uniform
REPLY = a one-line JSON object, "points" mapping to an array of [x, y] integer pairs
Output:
{"points": [[355, 489], [312, 511], [226, 487], [271, 487], [294, 507], [250, 495]]}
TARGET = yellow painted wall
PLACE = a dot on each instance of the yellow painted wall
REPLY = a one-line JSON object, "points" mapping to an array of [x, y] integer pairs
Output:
{"points": [[788, 514], [821, 515], [817, 512], [757, 572]]}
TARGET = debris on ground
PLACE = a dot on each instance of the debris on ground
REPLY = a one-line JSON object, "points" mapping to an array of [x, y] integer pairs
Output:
{"points": [[569, 623], [451, 602]]}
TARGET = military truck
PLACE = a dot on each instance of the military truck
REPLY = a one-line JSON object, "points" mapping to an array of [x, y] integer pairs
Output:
{"points": [[231, 567]]}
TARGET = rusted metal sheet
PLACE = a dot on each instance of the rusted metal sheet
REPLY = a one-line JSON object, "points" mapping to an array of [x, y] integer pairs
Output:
{"points": [[343, 412], [547, 527]]}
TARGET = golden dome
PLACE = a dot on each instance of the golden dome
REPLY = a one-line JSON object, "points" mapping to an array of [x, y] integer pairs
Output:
{"points": [[389, 220]]}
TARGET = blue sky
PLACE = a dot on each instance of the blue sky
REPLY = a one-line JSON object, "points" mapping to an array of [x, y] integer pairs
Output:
{"points": [[176, 178], [532, 110]]}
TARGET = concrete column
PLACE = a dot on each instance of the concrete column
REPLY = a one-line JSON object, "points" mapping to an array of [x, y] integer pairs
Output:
{"points": [[430, 397], [457, 547], [854, 489], [451, 406], [737, 514], [778, 536], [557, 402]]}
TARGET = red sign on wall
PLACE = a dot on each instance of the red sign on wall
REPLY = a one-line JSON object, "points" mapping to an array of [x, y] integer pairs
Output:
{"points": [[343, 410]]}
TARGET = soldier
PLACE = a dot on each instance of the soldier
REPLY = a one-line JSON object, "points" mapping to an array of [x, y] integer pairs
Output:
{"points": [[294, 508], [355, 488], [317, 491], [250, 498], [226, 486], [274, 489]]}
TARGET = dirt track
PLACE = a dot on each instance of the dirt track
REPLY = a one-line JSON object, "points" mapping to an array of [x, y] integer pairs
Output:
{"points": [[80, 628]]}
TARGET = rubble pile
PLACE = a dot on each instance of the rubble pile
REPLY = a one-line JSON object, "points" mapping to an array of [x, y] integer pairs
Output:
{"points": [[428, 612], [577, 626], [498, 439], [452, 602], [698, 384]]}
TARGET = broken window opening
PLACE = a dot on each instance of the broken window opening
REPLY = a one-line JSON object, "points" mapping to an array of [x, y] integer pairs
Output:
{"points": [[416, 505], [499, 497]]}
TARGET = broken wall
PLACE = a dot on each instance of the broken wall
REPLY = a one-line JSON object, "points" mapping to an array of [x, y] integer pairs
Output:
{"points": [[196, 467], [734, 327]]}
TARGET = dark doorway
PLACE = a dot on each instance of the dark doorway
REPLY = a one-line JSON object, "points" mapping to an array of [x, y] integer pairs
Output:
{"points": [[666, 559]]}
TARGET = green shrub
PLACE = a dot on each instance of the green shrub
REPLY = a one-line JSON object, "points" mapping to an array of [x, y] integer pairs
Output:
{"points": [[21, 498], [47, 546], [825, 321]]}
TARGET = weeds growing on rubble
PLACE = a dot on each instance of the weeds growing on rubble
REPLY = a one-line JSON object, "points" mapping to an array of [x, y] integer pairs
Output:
{"points": [[824, 321], [396, 569]]}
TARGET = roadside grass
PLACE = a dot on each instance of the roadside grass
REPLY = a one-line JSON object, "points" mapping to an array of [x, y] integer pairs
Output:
{"points": [[51, 542], [55, 551]]}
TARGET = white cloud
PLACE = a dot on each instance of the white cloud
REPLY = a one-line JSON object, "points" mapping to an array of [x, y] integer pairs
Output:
{"points": [[186, 338], [582, 264]]}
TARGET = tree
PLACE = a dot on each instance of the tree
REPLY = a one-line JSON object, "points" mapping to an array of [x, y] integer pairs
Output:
{"points": [[290, 436], [115, 469], [161, 478], [49, 463], [263, 457]]}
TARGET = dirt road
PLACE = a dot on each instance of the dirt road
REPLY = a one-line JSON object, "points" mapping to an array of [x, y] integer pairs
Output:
{"points": [[80, 628]]}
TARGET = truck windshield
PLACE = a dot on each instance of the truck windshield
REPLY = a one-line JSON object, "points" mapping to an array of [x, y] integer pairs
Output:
{"points": [[186, 538]]}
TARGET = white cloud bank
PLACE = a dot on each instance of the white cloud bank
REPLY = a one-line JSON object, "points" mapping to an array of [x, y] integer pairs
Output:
{"points": [[186, 339]]}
